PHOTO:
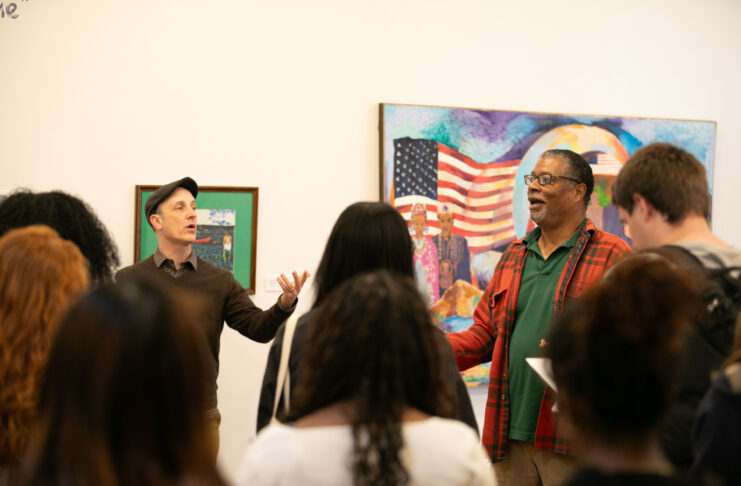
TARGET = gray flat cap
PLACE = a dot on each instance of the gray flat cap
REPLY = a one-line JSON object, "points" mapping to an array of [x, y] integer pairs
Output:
{"points": [[163, 192]]}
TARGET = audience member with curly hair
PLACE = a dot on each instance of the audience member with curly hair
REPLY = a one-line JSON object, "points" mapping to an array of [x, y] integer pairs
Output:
{"points": [[40, 274], [615, 356], [124, 396], [367, 236], [71, 218], [371, 407]]}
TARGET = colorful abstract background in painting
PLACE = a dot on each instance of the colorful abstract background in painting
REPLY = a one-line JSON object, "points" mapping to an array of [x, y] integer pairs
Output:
{"points": [[471, 162]]}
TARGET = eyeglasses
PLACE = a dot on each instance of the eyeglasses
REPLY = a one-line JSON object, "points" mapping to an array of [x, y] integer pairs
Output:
{"points": [[546, 178]]}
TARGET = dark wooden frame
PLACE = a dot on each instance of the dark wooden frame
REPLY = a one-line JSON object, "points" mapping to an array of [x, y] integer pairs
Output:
{"points": [[202, 190]]}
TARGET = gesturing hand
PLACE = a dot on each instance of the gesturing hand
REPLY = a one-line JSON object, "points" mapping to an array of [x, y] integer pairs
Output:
{"points": [[291, 289]]}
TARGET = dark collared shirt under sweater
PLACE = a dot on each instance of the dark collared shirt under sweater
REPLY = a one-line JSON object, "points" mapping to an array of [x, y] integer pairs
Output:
{"points": [[224, 300]]}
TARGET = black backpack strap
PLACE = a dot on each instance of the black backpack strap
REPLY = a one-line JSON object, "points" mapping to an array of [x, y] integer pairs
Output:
{"points": [[720, 293], [679, 255]]}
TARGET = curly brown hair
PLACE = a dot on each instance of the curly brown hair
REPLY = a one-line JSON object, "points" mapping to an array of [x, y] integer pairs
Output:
{"points": [[40, 275], [69, 216], [376, 349]]}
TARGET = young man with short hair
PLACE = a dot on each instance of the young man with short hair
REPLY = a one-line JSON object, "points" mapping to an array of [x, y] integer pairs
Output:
{"points": [[662, 197]]}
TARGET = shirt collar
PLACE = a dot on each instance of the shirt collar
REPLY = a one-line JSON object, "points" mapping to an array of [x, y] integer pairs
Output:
{"points": [[531, 239], [160, 258]]}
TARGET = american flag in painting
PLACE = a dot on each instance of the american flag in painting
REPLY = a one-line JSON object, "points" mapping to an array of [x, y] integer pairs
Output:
{"points": [[606, 164], [429, 172], [423, 161]]}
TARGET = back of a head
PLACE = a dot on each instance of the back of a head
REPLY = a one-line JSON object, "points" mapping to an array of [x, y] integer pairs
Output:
{"points": [[71, 218], [374, 340], [367, 236], [668, 177], [374, 347], [615, 351], [123, 401], [40, 275]]}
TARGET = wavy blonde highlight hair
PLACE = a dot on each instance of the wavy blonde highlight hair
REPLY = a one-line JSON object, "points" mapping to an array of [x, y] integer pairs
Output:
{"points": [[40, 275]]}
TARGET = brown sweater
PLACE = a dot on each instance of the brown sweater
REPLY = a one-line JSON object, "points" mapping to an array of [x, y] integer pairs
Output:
{"points": [[224, 300]]}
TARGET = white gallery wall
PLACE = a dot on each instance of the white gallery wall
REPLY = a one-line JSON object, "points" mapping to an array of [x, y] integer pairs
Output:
{"points": [[96, 97]]}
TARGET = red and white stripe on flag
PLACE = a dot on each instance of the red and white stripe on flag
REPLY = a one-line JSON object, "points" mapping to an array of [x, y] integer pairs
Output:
{"points": [[480, 194]]}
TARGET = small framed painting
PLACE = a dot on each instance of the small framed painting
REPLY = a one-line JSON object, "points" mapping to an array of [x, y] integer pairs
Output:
{"points": [[226, 233]]}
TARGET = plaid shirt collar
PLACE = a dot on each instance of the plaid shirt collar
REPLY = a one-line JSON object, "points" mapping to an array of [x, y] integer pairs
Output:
{"points": [[531, 239]]}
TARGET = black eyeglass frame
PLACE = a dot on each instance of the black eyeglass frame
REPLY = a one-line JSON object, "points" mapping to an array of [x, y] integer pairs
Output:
{"points": [[530, 178]]}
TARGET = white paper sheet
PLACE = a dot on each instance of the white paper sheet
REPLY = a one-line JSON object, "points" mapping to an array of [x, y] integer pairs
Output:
{"points": [[542, 367]]}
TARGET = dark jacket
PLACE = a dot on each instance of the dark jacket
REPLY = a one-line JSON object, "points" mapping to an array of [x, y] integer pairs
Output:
{"points": [[717, 432]]}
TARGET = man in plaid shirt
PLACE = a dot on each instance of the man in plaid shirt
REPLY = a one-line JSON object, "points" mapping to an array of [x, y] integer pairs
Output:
{"points": [[535, 277]]}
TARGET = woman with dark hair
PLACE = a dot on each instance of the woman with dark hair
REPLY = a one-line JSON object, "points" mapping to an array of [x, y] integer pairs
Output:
{"points": [[615, 358], [71, 218], [123, 400], [370, 403], [40, 275], [367, 236], [717, 431]]}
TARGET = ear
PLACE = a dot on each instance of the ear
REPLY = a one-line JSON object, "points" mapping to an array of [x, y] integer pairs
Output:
{"points": [[643, 208], [156, 221], [581, 190]]}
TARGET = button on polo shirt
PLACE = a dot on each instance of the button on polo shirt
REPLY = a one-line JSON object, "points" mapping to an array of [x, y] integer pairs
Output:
{"points": [[535, 302]]}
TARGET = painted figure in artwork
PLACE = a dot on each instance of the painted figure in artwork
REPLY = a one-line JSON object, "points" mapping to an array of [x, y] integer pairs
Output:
{"points": [[425, 255], [452, 251], [226, 254]]}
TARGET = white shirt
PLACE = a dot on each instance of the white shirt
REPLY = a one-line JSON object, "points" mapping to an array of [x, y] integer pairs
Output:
{"points": [[436, 451]]}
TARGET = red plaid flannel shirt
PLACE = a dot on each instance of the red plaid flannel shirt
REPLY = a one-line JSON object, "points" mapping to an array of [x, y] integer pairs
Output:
{"points": [[489, 337]]}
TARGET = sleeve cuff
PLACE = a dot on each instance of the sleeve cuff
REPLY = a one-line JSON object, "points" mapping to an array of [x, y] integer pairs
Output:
{"points": [[287, 309]]}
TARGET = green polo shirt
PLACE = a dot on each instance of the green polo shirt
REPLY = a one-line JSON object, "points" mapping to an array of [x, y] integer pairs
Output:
{"points": [[535, 302]]}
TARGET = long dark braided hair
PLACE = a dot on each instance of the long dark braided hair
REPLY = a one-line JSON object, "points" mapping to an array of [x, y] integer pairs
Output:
{"points": [[375, 348]]}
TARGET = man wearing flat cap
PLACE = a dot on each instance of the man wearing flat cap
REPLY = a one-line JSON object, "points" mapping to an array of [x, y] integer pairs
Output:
{"points": [[171, 212]]}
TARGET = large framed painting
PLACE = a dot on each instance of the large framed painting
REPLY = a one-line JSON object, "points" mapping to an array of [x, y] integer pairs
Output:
{"points": [[226, 232], [457, 176]]}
